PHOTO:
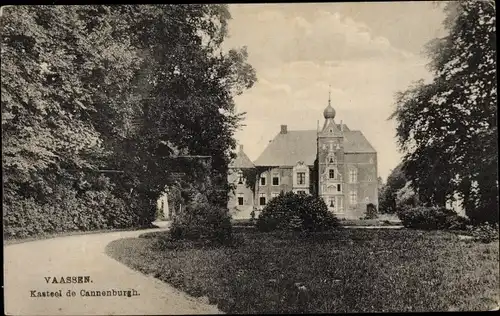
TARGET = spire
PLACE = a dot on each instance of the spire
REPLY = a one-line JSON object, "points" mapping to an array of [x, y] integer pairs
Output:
{"points": [[329, 112], [330, 95]]}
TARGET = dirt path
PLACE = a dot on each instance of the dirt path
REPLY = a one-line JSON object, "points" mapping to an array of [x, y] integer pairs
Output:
{"points": [[27, 265]]}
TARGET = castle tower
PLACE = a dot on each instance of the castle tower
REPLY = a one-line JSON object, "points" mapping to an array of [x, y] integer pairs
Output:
{"points": [[330, 155]]}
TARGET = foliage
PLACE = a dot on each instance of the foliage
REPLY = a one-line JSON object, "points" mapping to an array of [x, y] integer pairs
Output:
{"points": [[388, 192], [431, 218], [342, 271], [448, 127], [201, 220], [251, 176], [485, 232], [290, 211], [90, 87], [371, 211], [66, 210], [406, 197]]}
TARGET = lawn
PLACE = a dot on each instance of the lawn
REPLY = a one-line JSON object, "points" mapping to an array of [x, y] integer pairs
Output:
{"points": [[337, 272]]}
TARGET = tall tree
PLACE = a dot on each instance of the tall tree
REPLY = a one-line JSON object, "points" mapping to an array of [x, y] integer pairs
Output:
{"points": [[448, 127], [191, 84], [60, 66], [116, 87]]}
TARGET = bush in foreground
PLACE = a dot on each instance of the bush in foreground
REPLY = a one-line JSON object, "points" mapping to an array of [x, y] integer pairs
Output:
{"points": [[201, 220], [299, 212], [422, 217], [484, 232]]}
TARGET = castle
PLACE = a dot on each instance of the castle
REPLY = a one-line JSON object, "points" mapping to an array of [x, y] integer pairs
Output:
{"points": [[333, 162]]}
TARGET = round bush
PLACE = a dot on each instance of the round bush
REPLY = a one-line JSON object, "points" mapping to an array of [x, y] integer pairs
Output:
{"points": [[422, 217], [202, 221], [299, 212]]}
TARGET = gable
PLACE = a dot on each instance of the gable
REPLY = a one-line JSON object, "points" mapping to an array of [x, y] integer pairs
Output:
{"points": [[241, 161]]}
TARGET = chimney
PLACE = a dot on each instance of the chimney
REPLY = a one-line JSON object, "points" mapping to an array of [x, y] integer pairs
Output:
{"points": [[241, 148], [341, 126], [283, 129]]}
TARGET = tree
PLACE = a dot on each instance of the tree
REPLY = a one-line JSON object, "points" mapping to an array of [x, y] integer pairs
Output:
{"points": [[57, 66], [448, 128], [388, 192], [128, 88], [191, 85]]}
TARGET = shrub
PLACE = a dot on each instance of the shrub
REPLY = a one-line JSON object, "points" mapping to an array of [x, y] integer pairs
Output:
{"points": [[201, 220], [292, 211], [431, 218], [65, 208], [484, 232], [371, 212], [252, 215]]}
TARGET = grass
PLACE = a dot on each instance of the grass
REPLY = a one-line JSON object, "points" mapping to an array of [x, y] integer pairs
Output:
{"points": [[243, 222], [336, 272], [368, 222]]}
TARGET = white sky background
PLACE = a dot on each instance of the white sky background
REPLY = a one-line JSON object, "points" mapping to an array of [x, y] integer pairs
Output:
{"points": [[365, 51]]}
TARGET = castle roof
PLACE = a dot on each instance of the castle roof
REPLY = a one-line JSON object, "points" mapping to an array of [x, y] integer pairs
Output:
{"points": [[241, 161], [286, 149]]}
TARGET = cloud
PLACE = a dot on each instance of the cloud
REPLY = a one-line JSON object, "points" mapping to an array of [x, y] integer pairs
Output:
{"points": [[298, 57], [273, 37], [296, 94]]}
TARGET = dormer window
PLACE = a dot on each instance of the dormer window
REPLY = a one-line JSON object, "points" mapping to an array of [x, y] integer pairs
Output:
{"points": [[240, 177], [331, 173]]}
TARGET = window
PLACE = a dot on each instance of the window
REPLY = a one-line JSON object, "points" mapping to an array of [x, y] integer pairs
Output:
{"points": [[354, 197], [240, 199], [340, 204], [331, 173], [332, 203], [240, 177], [339, 188], [330, 160], [353, 175], [276, 179], [262, 199], [301, 192], [262, 180], [301, 178]]}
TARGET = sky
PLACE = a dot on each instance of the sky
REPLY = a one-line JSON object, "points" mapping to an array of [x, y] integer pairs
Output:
{"points": [[366, 52]]}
